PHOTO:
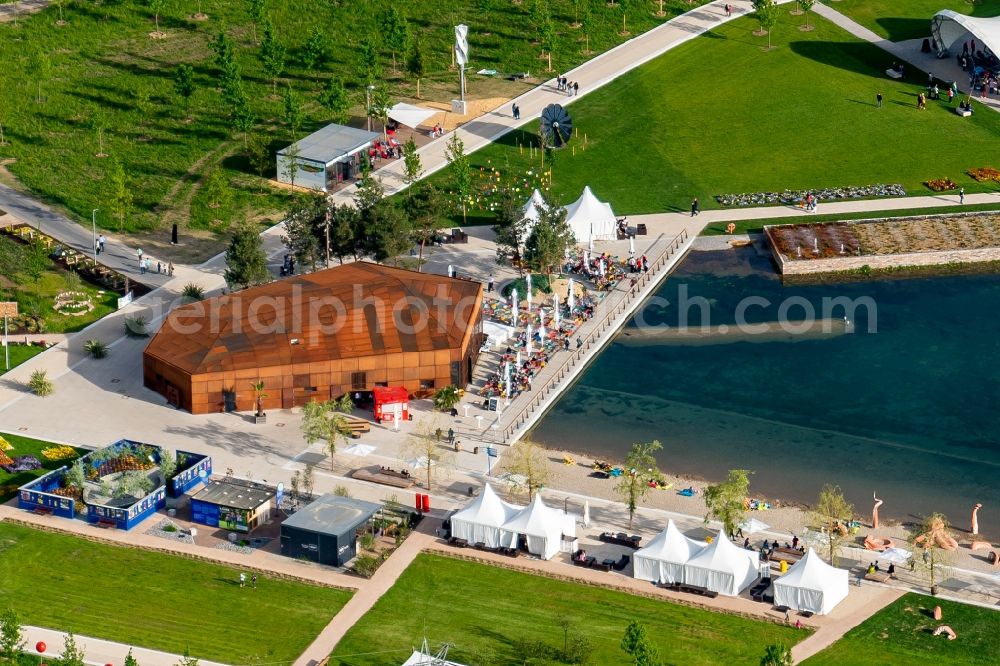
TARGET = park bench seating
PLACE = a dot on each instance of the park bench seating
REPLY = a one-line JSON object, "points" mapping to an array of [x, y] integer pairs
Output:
{"points": [[373, 475], [106, 524], [878, 576], [621, 539], [42, 511], [790, 555]]}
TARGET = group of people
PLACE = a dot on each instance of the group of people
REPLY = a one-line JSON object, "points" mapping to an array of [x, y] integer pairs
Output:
{"points": [[874, 568], [288, 265], [571, 88], [145, 263], [437, 131]]}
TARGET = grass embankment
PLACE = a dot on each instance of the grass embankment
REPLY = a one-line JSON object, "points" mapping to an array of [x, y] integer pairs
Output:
{"points": [[26, 446], [717, 115], [101, 84], [18, 355], [899, 20], [159, 601], [901, 634], [484, 610]]}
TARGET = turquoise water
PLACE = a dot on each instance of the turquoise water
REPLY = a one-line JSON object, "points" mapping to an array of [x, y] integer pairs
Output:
{"points": [[909, 411]]}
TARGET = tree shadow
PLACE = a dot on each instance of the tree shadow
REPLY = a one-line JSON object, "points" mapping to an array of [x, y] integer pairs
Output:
{"points": [[858, 57], [901, 29]]}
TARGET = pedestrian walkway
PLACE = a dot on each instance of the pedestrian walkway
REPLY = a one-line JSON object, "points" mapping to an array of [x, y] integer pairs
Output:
{"points": [[851, 612], [370, 592], [99, 652], [944, 69]]}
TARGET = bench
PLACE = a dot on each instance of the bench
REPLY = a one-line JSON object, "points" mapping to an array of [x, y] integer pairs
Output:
{"points": [[42, 511], [384, 479], [621, 539], [785, 555], [701, 591], [600, 566], [107, 524], [893, 73], [878, 576], [459, 543], [965, 113]]}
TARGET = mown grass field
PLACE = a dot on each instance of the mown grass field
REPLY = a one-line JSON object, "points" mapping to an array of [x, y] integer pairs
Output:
{"points": [[158, 601], [719, 115], [899, 20], [490, 614], [18, 355]]}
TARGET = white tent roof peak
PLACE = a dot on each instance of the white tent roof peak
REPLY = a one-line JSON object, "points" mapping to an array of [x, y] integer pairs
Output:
{"points": [[410, 115], [811, 585], [949, 26], [663, 559], [591, 218], [487, 508], [532, 209]]}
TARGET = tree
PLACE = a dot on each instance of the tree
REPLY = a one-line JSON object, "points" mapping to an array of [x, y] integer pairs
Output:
{"points": [[368, 64], [588, 26], [640, 466], [246, 263], [307, 480], [187, 660], [40, 67], [168, 464], [121, 193], [413, 168], [423, 446], [546, 246], [259, 153], [346, 232], [527, 460], [636, 643], [72, 655], [379, 103], [547, 37], [395, 32], [130, 659], [777, 654], [335, 100], [11, 636], [511, 227], [314, 51], [460, 171], [36, 261], [321, 422], [832, 512], [156, 6], [294, 112], [766, 12], [424, 207], [932, 534], [184, 83], [805, 6], [218, 191], [388, 231], [243, 118], [726, 501], [255, 10], [300, 230], [272, 55], [415, 63]]}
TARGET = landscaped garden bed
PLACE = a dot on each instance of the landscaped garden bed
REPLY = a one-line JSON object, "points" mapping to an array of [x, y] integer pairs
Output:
{"points": [[33, 462]]}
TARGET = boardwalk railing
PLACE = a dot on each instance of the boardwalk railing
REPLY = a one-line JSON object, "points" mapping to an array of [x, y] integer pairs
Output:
{"points": [[590, 334]]}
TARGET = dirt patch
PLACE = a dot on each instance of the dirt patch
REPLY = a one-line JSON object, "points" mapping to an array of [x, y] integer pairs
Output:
{"points": [[450, 121]]}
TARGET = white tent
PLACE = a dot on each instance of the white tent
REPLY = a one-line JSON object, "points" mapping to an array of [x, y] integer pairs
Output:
{"points": [[948, 28], [532, 211], [409, 115], [663, 560], [591, 219], [722, 567], [811, 585], [498, 333], [542, 525], [482, 518]]}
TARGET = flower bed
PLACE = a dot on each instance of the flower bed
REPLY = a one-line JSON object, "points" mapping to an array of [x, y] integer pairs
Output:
{"points": [[22, 464], [5, 445], [73, 303], [941, 184], [983, 174], [126, 462], [5, 460], [59, 452], [823, 194]]}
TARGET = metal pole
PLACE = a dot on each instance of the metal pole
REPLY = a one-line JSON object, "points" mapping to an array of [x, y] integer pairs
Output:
{"points": [[6, 342], [93, 226], [462, 80], [368, 106]]}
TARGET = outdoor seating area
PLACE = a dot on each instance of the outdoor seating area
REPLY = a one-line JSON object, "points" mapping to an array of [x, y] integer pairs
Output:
{"points": [[621, 539], [581, 559], [389, 477]]}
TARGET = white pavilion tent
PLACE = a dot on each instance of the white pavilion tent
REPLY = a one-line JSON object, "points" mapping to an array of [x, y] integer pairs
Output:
{"points": [[532, 211], [949, 27], [722, 567], [663, 560], [811, 585], [543, 526], [591, 219], [480, 521], [410, 115]]}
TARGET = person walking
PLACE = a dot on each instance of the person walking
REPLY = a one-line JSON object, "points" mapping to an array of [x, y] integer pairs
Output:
{"points": [[489, 285], [729, 10], [243, 579], [513, 111], [951, 96], [961, 196], [101, 240], [253, 581], [576, 88], [142, 266], [878, 100], [695, 207], [170, 269]]}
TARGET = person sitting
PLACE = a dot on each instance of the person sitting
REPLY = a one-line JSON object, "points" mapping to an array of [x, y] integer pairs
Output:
{"points": [[766, 545], [876, 566], [891, 570], [581, 556], [871, 569], [746, 543]]}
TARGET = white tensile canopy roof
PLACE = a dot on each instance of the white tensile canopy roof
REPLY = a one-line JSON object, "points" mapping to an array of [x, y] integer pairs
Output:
{"points": [[590, 218], [542, 525], [421, 658], [722, 567], [811, 585], [663, 560], [410, 115], [532, 212], [482, 518], [948, 27]]}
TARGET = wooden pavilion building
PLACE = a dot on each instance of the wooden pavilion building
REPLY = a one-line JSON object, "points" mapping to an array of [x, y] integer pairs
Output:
{"points": [[318, 336]]}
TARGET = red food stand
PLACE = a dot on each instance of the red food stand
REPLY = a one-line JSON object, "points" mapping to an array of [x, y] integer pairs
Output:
{"points": [[390, 401]]}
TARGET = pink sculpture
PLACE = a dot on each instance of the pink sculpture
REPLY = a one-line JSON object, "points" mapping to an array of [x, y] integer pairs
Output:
{"points": [[945, 630], [878, 503], [975, 520]]}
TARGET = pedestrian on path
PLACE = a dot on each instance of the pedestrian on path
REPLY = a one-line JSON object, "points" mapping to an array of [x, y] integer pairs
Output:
{"points": [[576, 88], [489, 285], [253, 581], [243, 579], [142, 266], [878, 100], [170, 269], [951, 96], [729, 10], [961, 196], [101, 240], [695, 208]]}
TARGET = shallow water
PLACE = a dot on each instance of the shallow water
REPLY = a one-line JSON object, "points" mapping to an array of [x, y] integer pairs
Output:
{"points": [[908, 410]]}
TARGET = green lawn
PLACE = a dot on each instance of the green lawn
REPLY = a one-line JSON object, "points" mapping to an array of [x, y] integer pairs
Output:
{"points": [[101, 84], [25, 446], [485, 610], [158, 601], [718, 115], [18, 355], [901, 634], [899, 20], [36, 293]]}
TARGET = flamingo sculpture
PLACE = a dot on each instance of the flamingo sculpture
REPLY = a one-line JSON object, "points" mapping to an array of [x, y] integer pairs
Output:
{"points": [[975, 519], [878, 503]]}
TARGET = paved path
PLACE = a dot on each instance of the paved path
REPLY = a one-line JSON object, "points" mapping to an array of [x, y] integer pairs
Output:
{"points": [[371, 591], [945, 70], [99, 652], [9, 11], [851, 612]]}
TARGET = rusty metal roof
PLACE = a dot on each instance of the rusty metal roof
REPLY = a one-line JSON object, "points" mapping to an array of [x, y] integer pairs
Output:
{"points": [[355, 310]]}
